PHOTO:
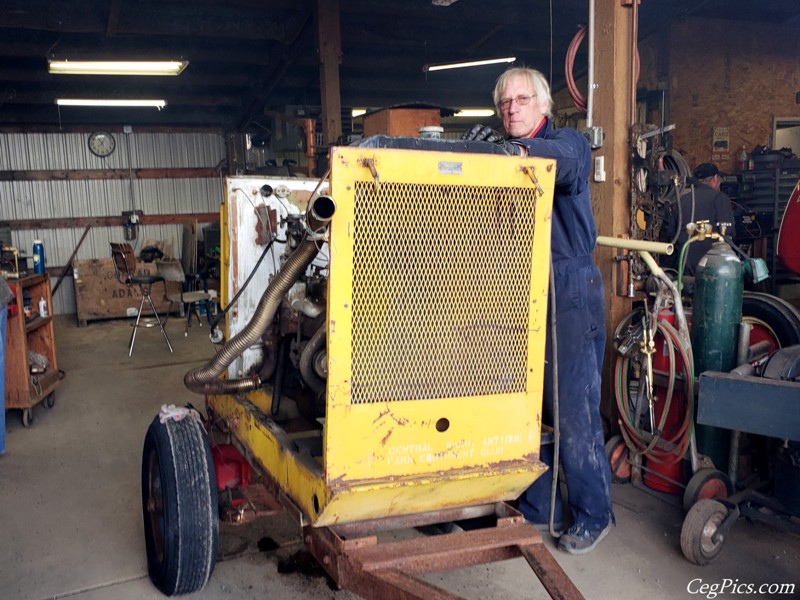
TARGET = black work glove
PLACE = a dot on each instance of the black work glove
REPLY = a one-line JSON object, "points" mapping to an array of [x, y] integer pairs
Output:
{"points": [[482, 133]]}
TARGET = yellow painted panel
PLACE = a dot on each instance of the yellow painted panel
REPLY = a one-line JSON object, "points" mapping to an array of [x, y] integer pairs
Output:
{"points": [[437, 308], [373, 499], [437, 311], [300, 477], [389, 498]]}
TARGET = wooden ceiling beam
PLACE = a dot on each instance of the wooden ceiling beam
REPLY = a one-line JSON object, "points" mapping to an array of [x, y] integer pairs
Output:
{"points": [[114, 10], [329, 47]]}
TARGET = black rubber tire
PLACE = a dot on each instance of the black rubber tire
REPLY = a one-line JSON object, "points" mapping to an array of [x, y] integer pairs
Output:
{"points": [[179, 506], [706, 484], [698, 528], [617, 454], [27, 417], [49, 400], [782, 317]]}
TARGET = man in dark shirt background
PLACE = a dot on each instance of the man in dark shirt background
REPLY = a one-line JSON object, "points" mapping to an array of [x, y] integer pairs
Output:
{"points": [[704, 203]]}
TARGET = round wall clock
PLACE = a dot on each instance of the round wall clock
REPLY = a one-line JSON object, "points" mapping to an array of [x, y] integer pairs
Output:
{"points": [[102, 143]]}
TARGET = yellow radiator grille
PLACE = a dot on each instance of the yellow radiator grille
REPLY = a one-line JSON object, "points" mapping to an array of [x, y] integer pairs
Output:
{"points": [[441, 290]]}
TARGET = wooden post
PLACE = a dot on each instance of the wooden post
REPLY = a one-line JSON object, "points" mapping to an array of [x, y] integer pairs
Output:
{"points": [[329, 46], [611, 198]]}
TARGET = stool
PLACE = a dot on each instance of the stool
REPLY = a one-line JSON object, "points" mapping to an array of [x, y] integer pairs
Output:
{"points": [[125, 270], [172, 270]]}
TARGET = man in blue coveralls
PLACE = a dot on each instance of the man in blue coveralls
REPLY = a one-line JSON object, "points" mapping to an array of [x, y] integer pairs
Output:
{"points": [[523, 101]]}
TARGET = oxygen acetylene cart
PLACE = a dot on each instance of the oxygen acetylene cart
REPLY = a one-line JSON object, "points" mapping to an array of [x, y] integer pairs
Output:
{"points": [[383, 369]]}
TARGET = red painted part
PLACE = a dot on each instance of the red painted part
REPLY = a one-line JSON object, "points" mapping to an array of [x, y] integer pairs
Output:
{"points": [[658, 476], [232, 469], [713, 489], [759, 333], [788, 238], [620, 466], [654, 477]]}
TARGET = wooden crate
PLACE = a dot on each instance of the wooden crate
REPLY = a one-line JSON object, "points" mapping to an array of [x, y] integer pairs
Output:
{"points": [[401, 121], [98, 294]]}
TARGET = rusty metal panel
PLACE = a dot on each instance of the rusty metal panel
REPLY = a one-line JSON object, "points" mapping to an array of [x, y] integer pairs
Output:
{"points": [[243, 199], [554, 580], [383, 570]]}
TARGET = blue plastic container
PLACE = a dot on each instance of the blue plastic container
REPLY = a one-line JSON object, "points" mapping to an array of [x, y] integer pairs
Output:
{"points": [[38, 256]]}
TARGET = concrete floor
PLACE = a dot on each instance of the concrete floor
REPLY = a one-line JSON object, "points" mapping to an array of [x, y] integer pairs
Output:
{"points": [[70, 503]]}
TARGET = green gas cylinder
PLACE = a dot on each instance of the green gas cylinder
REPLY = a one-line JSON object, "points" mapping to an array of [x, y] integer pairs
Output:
{"points": [[716, 315]]}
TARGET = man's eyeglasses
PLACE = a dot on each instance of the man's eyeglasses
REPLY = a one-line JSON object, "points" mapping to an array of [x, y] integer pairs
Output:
{"points": [[505, 103]]}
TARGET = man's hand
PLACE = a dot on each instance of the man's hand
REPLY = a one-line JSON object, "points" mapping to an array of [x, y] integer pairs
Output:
{"points": [[482, 133]]}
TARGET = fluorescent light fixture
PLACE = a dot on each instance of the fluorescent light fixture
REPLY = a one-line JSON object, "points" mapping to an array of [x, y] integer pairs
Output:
{"points": [[117, 67], [358, 112], [159, 104], [471, 63], [475, 112]]}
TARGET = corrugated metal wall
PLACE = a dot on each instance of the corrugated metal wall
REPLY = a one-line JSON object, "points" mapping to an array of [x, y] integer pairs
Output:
{"points": [[21, 200]]}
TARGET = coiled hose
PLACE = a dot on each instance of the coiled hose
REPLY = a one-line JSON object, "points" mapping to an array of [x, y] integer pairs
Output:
{"points": [[569, 68], [203, 380], [659, 449]]}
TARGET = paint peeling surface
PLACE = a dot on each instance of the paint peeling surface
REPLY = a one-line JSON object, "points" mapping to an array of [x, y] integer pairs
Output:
{"points": [[289, 196], [434, 369], [436, 308]]}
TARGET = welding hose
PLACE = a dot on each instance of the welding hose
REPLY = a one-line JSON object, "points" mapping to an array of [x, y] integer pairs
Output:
{"points": [[204, 380], [556, 415], [682, 260], [654, 446]]}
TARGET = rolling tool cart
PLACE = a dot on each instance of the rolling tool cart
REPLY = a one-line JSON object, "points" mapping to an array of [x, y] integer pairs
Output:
{"points": [[383, 369], [748, 383]]}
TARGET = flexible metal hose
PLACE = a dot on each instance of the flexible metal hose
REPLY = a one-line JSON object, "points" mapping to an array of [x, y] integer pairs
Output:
{"points": [[203, 380]]}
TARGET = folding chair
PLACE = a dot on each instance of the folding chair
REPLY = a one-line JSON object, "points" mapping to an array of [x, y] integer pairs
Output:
{"points": [[125, 270]]}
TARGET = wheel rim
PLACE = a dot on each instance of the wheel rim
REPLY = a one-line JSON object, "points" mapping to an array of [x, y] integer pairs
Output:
{"points": [[707, 544], [155, 506], [711, 489], [761, 331]]}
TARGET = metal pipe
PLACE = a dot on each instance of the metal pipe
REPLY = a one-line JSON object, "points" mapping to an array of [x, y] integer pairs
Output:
{"points": [[590, 75], [634, 58], [680, 314], [307, 307], [639, 245], [203, 380], [742, 350]]}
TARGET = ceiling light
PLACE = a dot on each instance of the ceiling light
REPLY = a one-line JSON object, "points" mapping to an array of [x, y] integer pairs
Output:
{"points": [[358, 112], [117, 67], [472, 63], [159, 104], [475, 112]]}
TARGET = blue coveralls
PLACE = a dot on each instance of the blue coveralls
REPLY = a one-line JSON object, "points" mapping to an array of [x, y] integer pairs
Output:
{"points": [[580, 322]]}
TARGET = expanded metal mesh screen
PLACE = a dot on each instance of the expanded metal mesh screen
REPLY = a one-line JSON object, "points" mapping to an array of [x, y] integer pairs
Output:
{"points": [[441, 291]]}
